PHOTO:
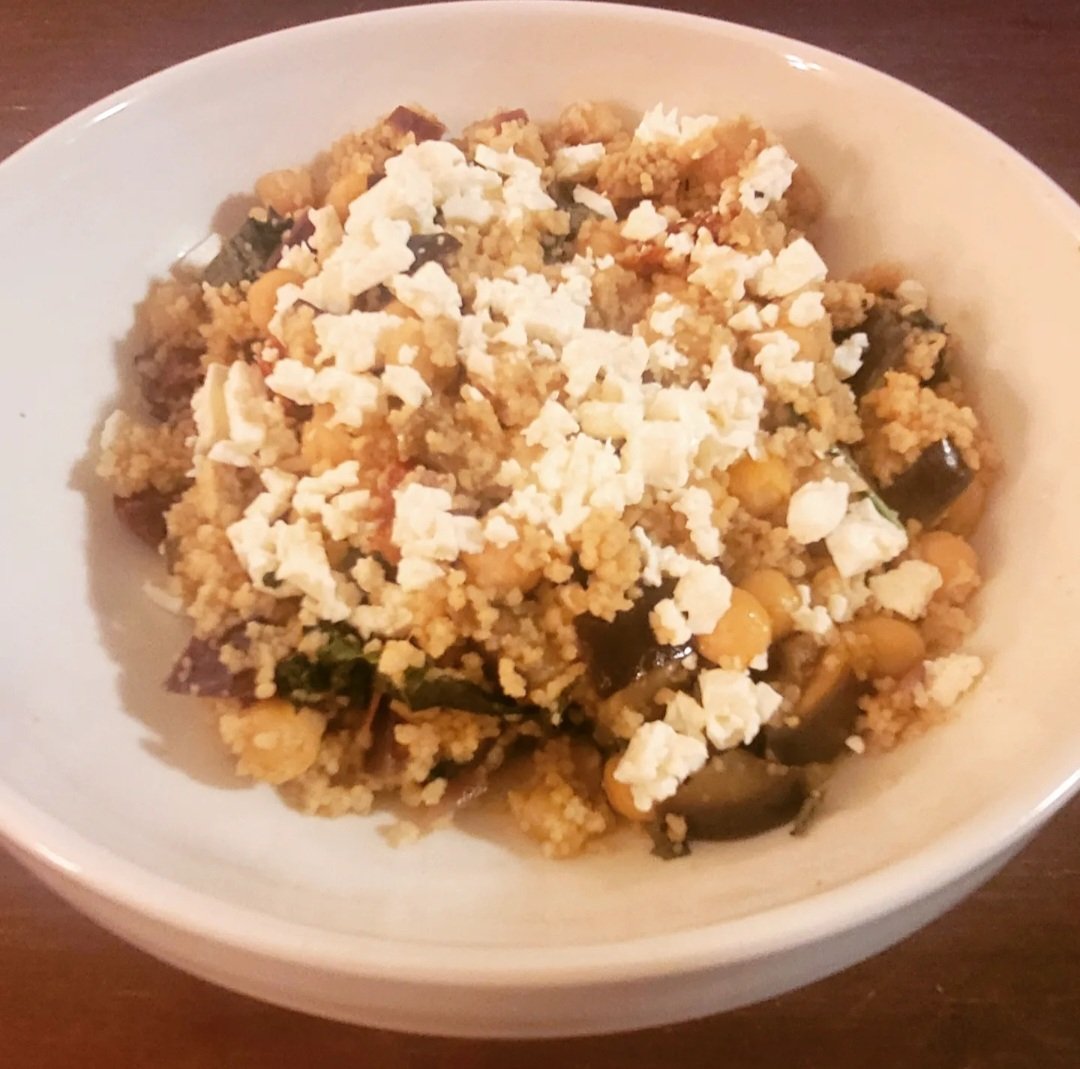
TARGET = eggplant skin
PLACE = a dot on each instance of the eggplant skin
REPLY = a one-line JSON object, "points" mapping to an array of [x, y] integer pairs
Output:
{"points": [[737, 795], [934, 481], [620, 651], [823, 719]]}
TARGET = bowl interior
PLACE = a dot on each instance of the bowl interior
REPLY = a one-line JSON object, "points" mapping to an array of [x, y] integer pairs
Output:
{"points": [[109, 767]]}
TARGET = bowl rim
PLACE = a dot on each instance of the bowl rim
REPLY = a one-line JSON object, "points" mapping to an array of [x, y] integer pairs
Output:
{"points": [[960, 850]]}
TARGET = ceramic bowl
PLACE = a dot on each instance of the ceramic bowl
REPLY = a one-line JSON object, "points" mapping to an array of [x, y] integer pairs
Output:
{"points": [[119, 796]]}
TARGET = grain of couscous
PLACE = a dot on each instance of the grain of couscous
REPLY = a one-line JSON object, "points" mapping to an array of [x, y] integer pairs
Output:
{"points": [[549, 463]]}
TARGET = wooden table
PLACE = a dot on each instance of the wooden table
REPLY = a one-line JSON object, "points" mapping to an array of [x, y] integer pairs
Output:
{"points": [[996, 983]]}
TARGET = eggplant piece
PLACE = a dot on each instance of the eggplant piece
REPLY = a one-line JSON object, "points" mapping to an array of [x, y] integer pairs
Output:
{"points": [[407, 121], [199, 673], [620, 651], [886, 330], [823, 719], [737, 795], [936, 479], [249, 251], [144, 514]]}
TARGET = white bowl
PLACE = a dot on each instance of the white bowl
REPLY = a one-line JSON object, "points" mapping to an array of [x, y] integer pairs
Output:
{"points": [[119, 797]]}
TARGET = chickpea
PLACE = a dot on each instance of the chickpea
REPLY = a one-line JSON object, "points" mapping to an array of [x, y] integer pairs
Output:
{"points": [[345, 190], [742, 633], [762, 486], [826, 583], [952, 556], [963, 515], [884, 646], [285, 191], [501, 569], [777, 596], [262, 296], [619, 795]]}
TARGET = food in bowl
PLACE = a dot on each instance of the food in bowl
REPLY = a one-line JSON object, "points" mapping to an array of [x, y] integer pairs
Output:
{"points": [[551, 460]]}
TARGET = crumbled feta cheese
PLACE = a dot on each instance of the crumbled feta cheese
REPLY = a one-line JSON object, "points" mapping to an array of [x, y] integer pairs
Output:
{"points": [[725, 271], [703, 595], [553, 316], [768, 179], [657, 761], [499, 532], [552, 426], [796, 265], [770, 315], [697, 506], [327, 232], [298, 258], [572, 163], [407, 384], [806, 309], [333, 499], [353, 397], [948, 679], [665, 313], [360, 262], [644, 223], [679, 245], [731, 711], [415, 573], [660, 126], [810, 619], [907, 588], [595, 202], [669, 623], [622, 358], [351, 340], [816, 509], [855, 744], [234, 419], [864, 539], [848, 355], [429, 292], [424, 525], [746, 319], [776, 359]]}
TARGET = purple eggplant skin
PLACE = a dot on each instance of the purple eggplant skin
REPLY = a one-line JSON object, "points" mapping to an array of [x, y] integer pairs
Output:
{"points": [[934, 481]]}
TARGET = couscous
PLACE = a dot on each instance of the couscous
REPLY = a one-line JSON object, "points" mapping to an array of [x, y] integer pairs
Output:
{"points": [[550, 463]]}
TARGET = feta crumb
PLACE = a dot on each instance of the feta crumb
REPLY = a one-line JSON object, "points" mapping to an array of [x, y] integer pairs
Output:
{"points": [[499, 531], [702, 596], [696, 505], [797, 265], [810, 619], [864, 539], [595, 202], [731, 711], [776, 359], [746, 319], [351, 340], [668, 623], [948, 679], [848, 355], [415, 573], [679, 244], [575, 162], [407, 384], [770, 315], [724, 271], [424, 525], [816, 509], [855, 744], [657, 761], [429, 292], [666, 312], [658, 125], [768, 179], [299, 258], [806, 309], [907, 588], [644, 223]]}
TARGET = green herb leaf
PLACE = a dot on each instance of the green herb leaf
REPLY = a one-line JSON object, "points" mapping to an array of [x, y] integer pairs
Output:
{"points": [[425, 689]]}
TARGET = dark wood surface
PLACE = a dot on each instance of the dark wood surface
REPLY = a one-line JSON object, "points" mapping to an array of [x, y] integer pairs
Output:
{"points": [[994, 984]]}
